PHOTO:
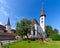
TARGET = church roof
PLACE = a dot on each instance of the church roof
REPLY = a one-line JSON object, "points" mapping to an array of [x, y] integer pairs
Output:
{"points": [[13, 30], [2, 27], [34, 21], [42, 12]]}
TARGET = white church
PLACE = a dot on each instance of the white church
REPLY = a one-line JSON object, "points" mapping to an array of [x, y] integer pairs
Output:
{"points": [[39, 29]]}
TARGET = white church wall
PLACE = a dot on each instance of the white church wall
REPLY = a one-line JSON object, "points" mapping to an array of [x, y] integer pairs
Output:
{"points": [[42, 23], [38, 28], [32, 32], [8, 28], [35, 30]]}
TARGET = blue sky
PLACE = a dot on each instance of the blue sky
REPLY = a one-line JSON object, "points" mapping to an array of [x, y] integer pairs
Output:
{"points": [[18, 9]]}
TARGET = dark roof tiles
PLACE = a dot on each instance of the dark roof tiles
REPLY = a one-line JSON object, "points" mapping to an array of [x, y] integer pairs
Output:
{"points": [[42, 12], [2, 27], [34, 21]]}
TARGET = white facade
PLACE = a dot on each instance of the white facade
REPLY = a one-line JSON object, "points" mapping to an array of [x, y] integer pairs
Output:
{"points": [[8, 28], [40, 29], [37, 30], [42, 23]]}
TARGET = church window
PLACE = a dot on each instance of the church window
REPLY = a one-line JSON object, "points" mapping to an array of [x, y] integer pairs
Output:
{"points": [[33, 30], [41, 18], [41, 21], [37, 29]]}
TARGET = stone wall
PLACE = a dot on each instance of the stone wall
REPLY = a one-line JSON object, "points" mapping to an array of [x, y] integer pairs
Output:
{"points": [[7, 38]]}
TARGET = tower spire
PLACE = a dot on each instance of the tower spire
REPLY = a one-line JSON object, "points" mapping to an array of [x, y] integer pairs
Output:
{"points": [[42, 12], [8, 23]]}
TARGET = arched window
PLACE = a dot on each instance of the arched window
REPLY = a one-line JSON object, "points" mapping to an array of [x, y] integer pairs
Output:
{"points": [[37, 29], [33, 30], [41, 21], [41, 18]]}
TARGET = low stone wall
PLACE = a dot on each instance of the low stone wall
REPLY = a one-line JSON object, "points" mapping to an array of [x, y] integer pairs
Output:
{"points": [[7, 42], [7, 38]]}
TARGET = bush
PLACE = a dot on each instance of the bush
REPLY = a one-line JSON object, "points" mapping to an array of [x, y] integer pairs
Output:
{"points": [[32, 39], [29, 41], [56, 37]]}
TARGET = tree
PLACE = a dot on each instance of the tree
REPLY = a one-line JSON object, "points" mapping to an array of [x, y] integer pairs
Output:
{"points": [[55, 31], [49, 31], [23, 27], [56, 37], [19, 30]]}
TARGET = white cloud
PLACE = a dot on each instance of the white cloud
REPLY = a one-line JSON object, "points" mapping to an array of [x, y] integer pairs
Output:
{"points": [[3, 11], [12, 27], [0, 23], [1, 1], [20, 17], [17, 17], [3, 8]]}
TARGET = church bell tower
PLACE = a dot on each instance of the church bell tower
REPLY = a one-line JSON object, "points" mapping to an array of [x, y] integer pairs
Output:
{"points": [[42, 20], [8, 26]]}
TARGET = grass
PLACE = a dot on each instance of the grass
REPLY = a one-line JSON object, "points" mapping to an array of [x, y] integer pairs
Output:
{"points": [[34, 44]]}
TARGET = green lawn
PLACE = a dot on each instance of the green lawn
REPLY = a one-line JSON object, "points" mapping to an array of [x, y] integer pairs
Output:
{"points": [[34, 44]]}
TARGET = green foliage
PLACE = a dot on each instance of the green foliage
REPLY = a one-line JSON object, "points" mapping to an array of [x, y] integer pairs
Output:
{"points": [[56, 37], [23, 27], [50, 32], [29, 41], [55, 31], [19, 30]]}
